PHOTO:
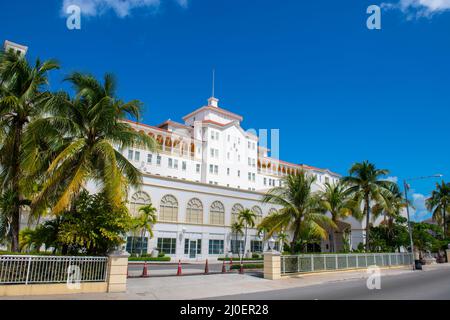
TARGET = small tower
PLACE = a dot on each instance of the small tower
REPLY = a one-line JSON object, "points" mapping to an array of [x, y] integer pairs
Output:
{"points": [[8, 45], [213, 102]]}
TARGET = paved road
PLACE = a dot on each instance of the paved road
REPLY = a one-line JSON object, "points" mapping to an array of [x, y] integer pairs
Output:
{"points": [[430, 285]]}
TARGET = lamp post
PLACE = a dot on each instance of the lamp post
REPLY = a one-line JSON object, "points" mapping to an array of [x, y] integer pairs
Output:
{"points": [[406, 188]]}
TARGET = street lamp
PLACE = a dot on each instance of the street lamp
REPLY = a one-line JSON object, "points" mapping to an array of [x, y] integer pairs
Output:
{"points": [[406, 188]]}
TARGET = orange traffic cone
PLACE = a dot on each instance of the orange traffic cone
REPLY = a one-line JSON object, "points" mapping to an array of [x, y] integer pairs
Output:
{"points": [[206, 267], [224, 268], [241, 269], [144, 271], [179, 272]]}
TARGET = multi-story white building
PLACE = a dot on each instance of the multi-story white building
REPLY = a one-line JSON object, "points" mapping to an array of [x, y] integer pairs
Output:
{"points": [[206, 170]]}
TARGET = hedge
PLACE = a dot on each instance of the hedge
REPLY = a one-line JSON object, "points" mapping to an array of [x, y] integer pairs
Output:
{"points": [[149, 259], [248, 266], [244, 259]]}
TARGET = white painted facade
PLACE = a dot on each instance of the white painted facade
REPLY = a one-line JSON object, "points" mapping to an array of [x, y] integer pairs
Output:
{"points": [[210, 158]]}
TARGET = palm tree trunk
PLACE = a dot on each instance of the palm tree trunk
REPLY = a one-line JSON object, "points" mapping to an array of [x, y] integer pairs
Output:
{"points": [[245, 242], [15, 173], [367, 209], [444, 209], [295, 238], [142, 240]]}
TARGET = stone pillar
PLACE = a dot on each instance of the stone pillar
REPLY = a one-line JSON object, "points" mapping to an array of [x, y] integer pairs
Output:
{"points": [[272, 265], [118, 271], [448, 255]]}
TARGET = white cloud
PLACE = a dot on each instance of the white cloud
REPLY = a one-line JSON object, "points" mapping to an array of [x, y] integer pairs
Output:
{"points": [[392, 179], [419, 8], [121, 8], [419, 211]]}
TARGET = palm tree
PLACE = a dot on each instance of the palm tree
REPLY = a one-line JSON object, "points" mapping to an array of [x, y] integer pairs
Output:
{"points": [[85, 131], [335, 200], [300, 210], [145, 221], [238, 229], [248, 219], [439, 204], [23, 97], [390, 205], [365, 187]]}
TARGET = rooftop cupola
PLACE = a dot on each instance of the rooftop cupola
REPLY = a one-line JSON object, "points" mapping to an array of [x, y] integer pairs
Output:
{"points": [[213, 102]]}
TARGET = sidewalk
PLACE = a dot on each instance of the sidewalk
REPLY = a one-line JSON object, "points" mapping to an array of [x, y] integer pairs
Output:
{"points": [[207, 286]]}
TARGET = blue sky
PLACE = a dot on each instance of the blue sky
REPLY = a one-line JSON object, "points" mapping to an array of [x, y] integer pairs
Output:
{"points": [[338, 92]]}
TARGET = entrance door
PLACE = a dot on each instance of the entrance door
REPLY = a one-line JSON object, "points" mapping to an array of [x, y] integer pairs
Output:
{"points": [[192, 249]]}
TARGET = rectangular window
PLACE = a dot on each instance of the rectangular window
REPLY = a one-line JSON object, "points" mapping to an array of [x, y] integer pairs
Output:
{"points": [[228, 171], [137, 156], [211, 168], [239, 173], [149, 158], [217, 136], [265, 181], [256, 246], [253, 163], [197, 168], [167, 245], [212, 135], [130, 154], [175, 164], [170, 162], [135, 244], [249, 161], [212, 153], [229, 138], [253, 177], [216, 153], [158, 160], [215, 246], [228, 156], [216, 169], [249, 176], [183, 166], [249, 145]]}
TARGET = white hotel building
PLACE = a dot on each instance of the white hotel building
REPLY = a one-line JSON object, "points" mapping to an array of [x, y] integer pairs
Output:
{"points": [[207, 170]]}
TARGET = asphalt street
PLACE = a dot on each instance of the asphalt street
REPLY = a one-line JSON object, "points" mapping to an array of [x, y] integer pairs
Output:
{"points": [[426, 285]]}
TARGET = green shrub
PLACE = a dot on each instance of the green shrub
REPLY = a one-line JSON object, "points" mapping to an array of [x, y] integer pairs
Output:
{"points": [[248, 266], [244, 259], [149, 259]]}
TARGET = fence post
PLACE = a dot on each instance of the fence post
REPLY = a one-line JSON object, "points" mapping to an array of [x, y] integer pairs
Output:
{"points": [[357, 261], [28, 270], [272, 265], [346, 260], [390, 263], [312, 263], [337, 263], [117, 271]]}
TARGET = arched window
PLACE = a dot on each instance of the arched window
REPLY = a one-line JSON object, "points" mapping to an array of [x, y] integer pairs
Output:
{"points": [[138, 200], [259, 215], [235, 212], [194, 211], [217, 213], [168, 210]]}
